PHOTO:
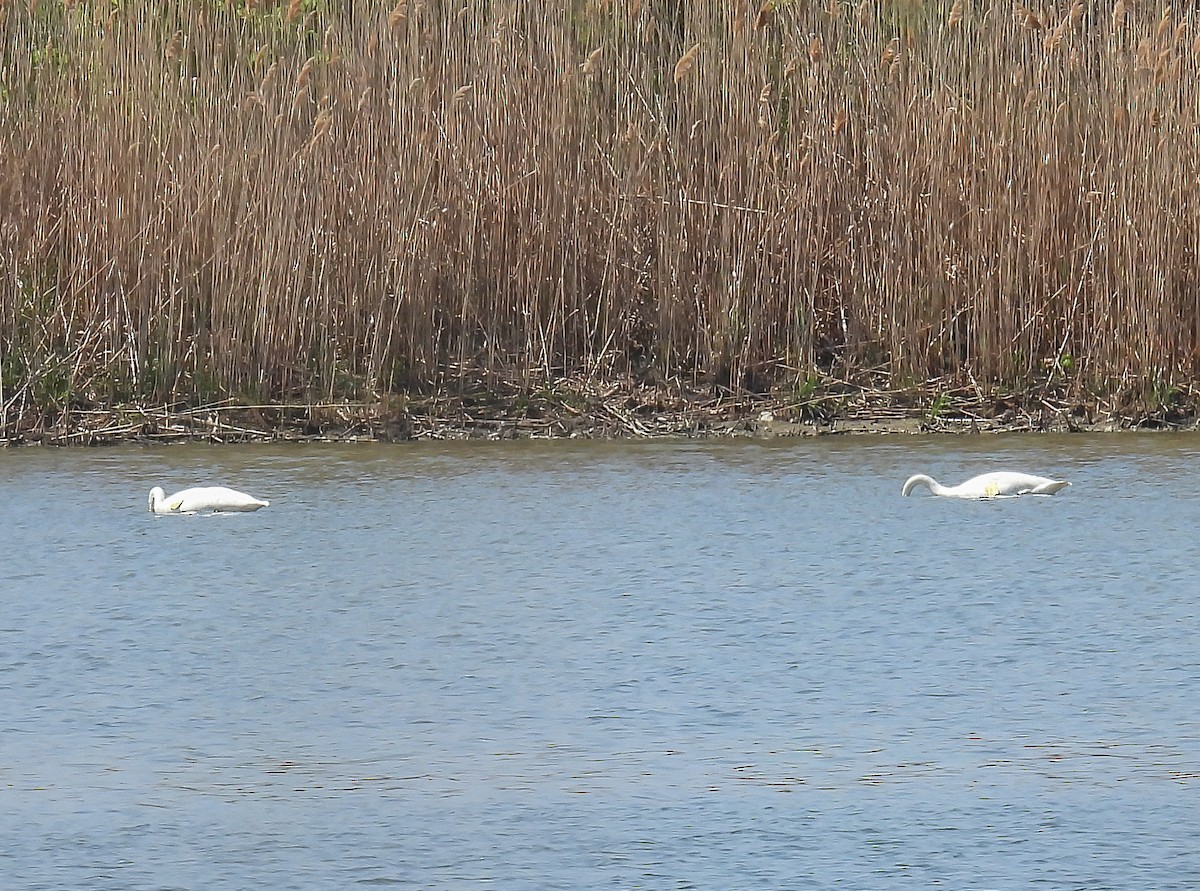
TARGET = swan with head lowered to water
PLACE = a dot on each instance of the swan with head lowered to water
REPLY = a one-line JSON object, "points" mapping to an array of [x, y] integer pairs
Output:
{"points": [[998, 484], [203, 499]]}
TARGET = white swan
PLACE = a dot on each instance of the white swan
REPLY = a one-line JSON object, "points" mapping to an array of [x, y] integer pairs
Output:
{"points": [[989, 485], [203, 498]]}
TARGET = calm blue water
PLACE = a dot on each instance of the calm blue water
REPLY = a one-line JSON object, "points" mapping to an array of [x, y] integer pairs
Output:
{"points": [[565, 665]]}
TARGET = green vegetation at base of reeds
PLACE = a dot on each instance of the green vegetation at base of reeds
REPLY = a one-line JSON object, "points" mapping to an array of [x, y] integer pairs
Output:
{"points": [[309, 200]]}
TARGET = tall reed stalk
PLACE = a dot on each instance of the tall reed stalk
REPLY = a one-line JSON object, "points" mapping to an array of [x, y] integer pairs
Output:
{"points": [[204, 200]]}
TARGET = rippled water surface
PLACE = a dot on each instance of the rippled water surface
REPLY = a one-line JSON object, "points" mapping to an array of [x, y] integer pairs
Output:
{"points": [[562, 665]]}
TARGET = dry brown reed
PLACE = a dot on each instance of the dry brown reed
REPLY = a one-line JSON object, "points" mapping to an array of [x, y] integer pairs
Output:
{"points": [[316, 200]]}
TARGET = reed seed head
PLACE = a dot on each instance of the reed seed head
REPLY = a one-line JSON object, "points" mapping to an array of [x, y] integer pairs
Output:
{"points": [[322, 124], [890, 53], [305, 74], [593, 59], [1055, 37], [268, 79], [1164, 24], [399, 14], [956, 15], [300, 99], [685, 63], [174, 46]]}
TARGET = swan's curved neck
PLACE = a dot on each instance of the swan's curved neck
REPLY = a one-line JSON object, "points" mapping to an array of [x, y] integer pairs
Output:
{"points": [[921, 479]]}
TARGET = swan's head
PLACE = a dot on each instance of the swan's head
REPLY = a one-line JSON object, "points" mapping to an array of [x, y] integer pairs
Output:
{"points": [[156, 496]]}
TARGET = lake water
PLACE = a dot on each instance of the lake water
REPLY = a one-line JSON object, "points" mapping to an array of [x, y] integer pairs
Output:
{"points": [[565, 665]]}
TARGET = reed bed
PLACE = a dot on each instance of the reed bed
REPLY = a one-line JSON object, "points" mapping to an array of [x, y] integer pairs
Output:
{"points": [[310, 202]]}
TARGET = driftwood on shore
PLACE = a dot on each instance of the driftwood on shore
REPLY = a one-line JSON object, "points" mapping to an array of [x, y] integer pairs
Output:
{"points": [[574, 410]]}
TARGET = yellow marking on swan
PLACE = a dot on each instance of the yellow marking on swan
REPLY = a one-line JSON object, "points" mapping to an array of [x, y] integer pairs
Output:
{"points": [[176, 504], [991, 490]]}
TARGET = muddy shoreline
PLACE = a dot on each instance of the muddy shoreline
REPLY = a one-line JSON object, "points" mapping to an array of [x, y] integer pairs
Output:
{"points": [[610, 412]]}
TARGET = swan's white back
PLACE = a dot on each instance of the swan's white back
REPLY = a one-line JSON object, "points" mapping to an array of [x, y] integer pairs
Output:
{"points": [[203, 498], [998, 484]]}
